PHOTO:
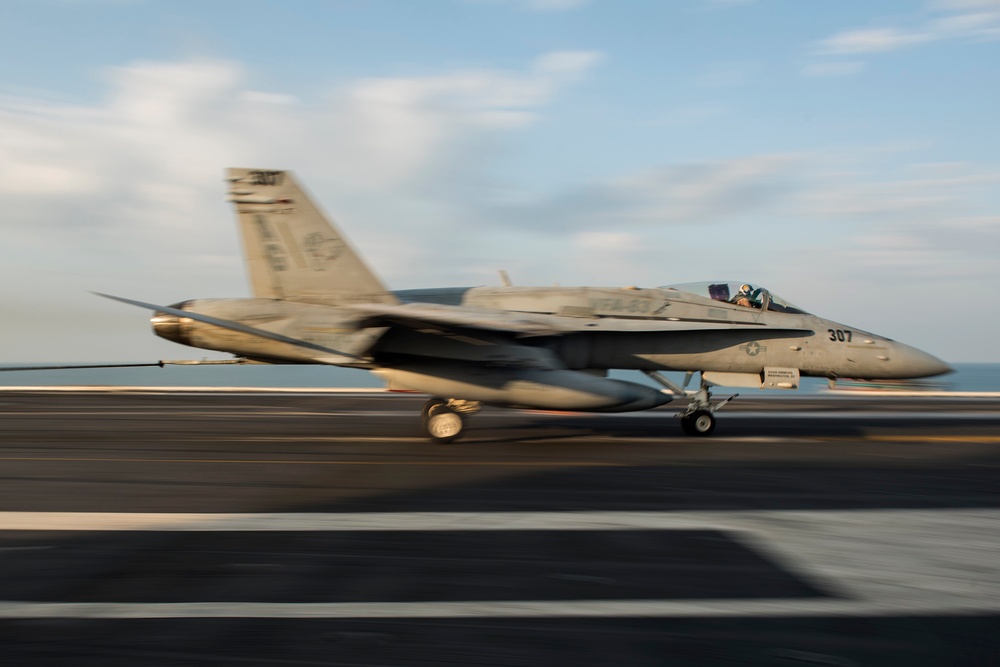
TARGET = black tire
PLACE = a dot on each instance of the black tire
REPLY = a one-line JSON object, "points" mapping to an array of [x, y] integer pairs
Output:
{"points": [[444, 425], [429, 407], [699, 423]]}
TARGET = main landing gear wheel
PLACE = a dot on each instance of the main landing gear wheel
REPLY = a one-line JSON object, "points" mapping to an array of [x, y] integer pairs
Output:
{"points": [[444, 418], [699, 423], [429, 407], [443, 424]]}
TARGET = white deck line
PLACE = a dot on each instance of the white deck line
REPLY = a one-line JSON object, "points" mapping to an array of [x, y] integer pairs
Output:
{"points": [[773, 608], [870, 562], [939, 519]]}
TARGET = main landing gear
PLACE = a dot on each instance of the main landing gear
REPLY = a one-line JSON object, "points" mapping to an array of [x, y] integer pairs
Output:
{"points": [[444, 419], [698, 419]]}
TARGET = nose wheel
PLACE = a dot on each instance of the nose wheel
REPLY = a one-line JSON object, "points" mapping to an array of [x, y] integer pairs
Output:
{"points": [[699, 417], [699, 423]]}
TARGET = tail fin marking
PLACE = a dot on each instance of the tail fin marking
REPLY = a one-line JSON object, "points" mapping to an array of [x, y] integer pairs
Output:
{"points": [[292, 250]]}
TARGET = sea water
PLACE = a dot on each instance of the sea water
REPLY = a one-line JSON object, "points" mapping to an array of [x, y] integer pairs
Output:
{"points": [[968, 377]]}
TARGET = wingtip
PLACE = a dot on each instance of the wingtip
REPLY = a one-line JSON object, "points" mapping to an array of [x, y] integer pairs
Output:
{"points": [[109, 296]]}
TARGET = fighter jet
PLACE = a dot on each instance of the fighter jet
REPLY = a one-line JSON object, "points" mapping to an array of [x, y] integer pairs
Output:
{"points": [[545, 348]]}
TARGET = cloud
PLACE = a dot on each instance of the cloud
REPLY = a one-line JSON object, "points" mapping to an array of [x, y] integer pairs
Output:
{"points": [[872, 40], [918, 192], [125, 195], [254, 96], [397, 129], [791, 221], [681, 194], [133, 182], [941, 21], [180, 121]]}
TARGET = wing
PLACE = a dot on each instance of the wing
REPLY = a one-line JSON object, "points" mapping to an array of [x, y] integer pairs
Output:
{"points": [[432, 317]]}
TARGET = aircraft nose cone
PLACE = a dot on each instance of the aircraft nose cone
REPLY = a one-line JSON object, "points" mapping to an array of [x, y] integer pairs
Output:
{"points": [[909, 362]]}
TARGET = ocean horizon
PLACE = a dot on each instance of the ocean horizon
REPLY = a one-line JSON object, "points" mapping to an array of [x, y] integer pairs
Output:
{"points": [[968, 377]]}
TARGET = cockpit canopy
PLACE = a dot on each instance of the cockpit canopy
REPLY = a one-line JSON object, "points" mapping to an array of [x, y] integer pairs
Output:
{"points": [[733, 292]]}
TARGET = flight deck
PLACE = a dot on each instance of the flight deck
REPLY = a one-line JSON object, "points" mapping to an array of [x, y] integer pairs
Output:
{"points": [[221, 527]]}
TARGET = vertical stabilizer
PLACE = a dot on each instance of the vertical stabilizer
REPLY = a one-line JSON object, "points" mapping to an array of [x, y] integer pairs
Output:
{"points": [[292, 250]]}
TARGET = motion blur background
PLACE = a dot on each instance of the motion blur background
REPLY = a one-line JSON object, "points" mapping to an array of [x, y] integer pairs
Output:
{"points": [[843, 155]]}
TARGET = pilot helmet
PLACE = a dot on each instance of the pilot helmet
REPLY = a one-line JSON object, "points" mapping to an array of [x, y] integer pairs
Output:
{"points": [[746, 287]]}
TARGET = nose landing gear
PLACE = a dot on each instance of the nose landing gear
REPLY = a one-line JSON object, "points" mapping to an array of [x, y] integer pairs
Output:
{"points": [[698, 419]]}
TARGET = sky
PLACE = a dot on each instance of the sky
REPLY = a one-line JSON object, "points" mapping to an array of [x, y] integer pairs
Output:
{"points": [[844, 154]]}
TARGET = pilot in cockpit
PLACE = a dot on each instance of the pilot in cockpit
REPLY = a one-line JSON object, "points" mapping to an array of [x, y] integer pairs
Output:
{"points": [[747, 297]]}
